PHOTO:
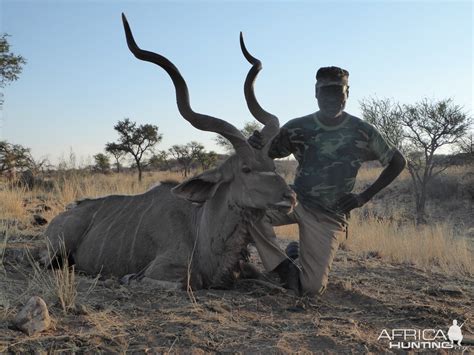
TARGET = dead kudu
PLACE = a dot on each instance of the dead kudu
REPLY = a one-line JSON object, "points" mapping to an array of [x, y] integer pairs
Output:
{"points": [[193, 232]]}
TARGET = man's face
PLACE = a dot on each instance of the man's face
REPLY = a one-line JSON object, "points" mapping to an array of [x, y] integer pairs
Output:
{"points": [[332, 99]]}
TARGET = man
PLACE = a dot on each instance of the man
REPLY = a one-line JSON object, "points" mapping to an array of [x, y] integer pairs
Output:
{"points": [[330, 146]]}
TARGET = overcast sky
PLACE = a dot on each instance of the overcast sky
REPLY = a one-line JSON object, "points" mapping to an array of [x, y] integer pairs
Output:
{"points": [[81, 79]]}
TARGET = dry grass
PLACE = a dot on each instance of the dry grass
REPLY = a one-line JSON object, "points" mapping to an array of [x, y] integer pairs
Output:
{"points": [[12, 204], [58, 284], [425, 246], [65, 285], [108, 324], [74, 187], [71, 187]]}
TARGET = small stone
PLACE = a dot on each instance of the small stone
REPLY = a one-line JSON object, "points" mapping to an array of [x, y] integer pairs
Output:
{"points": [[81, 309], [33, 317], [109, 283]]}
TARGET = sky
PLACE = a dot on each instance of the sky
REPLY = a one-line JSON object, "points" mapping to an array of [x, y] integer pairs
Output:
{"points": [[80, 77]]}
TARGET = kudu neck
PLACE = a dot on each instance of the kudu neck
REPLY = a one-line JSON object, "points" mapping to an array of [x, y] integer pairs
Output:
{"points": [[221, 235]]}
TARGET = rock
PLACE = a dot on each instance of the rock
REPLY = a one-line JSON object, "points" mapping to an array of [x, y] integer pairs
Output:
{"points": [[33, 317], [39, 220], [109, 283]]}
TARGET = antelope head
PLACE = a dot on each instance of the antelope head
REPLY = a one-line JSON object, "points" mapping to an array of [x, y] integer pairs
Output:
{"points": [[250, 174]]}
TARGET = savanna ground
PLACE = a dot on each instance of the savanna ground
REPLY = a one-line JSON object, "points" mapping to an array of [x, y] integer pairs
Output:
{"points": [[389, 274]]}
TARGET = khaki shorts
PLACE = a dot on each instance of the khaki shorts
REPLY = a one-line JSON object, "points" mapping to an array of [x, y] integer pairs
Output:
{"points": [[320, 236]]}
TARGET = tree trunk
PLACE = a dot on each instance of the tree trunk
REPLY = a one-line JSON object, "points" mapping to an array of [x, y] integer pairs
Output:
{"points": [[421, 203], [420, 209], [139, 172]]}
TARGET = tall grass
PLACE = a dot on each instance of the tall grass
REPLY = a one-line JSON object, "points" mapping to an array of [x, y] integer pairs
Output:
{"points": [[67, 188], [59, 284], [12, 204], [72, 187], [426, 246]]}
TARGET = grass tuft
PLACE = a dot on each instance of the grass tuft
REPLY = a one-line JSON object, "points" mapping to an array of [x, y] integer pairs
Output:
{"points": [[57, 284]]}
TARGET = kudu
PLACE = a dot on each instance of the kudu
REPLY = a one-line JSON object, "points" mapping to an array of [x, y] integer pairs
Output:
{"points": [[196, 228]]}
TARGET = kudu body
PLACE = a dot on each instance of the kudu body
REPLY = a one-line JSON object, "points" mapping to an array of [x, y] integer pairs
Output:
{"points": [[193, 232]]}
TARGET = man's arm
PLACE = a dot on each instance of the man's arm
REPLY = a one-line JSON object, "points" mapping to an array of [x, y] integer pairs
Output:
{"points": [[393, 169]]}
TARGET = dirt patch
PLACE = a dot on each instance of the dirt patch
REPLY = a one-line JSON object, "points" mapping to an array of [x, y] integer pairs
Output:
{"points": [[365, 295]]}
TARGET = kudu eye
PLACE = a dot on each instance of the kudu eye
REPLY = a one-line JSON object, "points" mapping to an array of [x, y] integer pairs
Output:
{"points": [[246, 169]]}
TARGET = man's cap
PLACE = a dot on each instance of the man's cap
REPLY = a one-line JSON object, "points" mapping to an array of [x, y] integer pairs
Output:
{"points": [[332, 76]]}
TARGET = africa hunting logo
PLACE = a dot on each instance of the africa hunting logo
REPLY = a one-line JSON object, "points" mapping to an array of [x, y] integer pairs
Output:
{"points": [[424, 338]]}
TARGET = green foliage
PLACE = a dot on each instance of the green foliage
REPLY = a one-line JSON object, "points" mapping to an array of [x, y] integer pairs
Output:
{"points": [[206, 159], [186, 154], [138, 141], [247, 131], [14, 156], [116, 151], [11, 65], [159, 161], [102, 162]]}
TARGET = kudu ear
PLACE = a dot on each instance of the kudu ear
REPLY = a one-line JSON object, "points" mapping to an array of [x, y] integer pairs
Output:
{"points": [[201, 187]]}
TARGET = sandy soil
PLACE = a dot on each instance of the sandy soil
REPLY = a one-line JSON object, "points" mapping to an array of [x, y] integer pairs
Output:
{"points": [[365, 296]]}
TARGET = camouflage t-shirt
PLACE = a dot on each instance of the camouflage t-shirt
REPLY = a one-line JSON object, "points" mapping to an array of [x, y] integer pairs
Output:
{"points": [[329, 157]]}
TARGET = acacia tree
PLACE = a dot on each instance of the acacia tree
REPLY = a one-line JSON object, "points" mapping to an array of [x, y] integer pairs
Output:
{"points": [[429, 126], [386, 116], [138, 141], [159, 160], [419, 130], [186, 154], [206, 159], [116, 151], [11, 65], [102, 162], [14, 156], [247, 131]]}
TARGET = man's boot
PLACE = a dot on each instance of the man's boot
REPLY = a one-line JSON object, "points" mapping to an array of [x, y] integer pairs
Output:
{"points": [[287, 270], [293, 250]]}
